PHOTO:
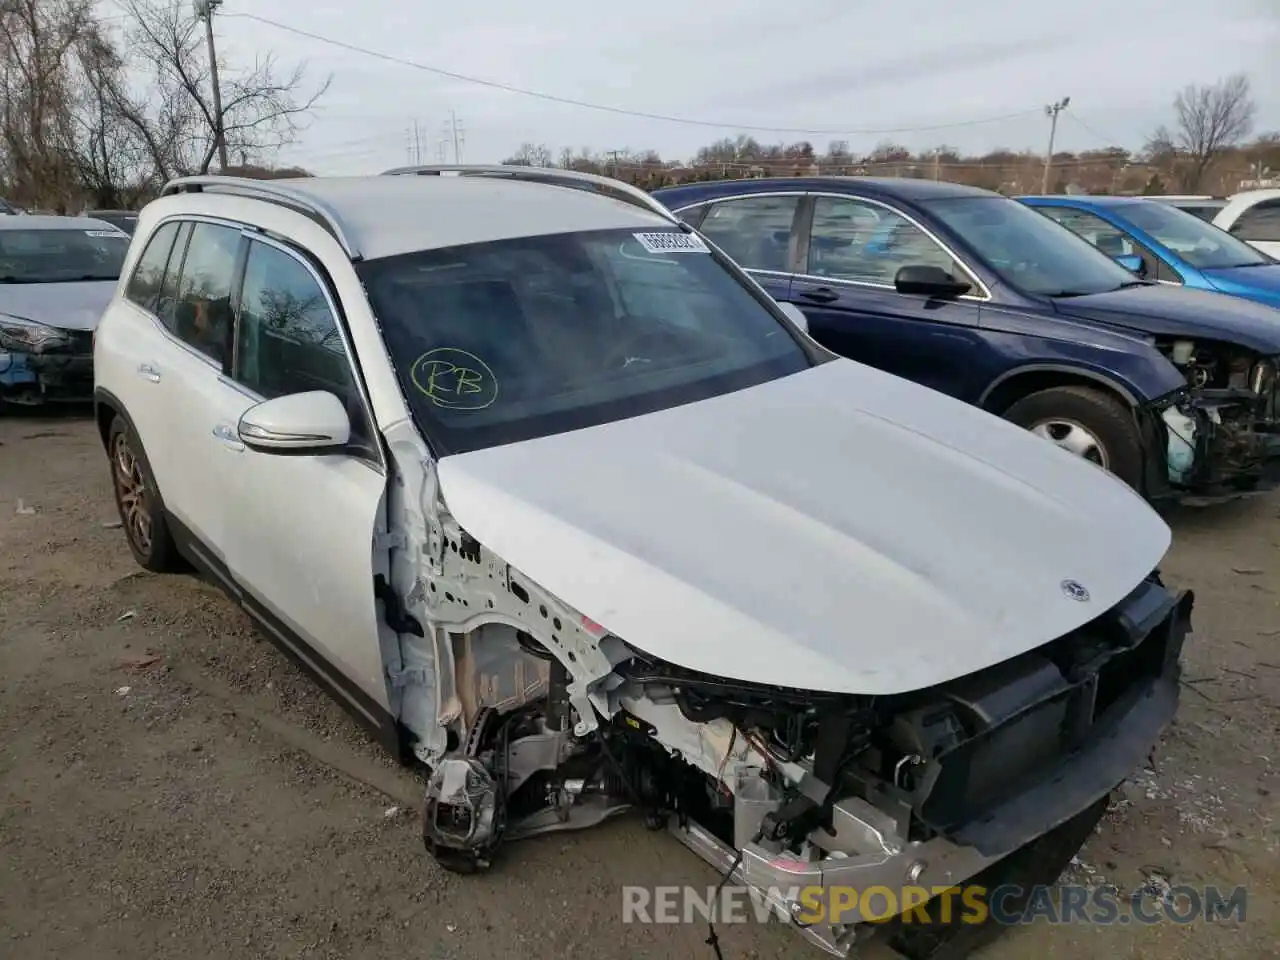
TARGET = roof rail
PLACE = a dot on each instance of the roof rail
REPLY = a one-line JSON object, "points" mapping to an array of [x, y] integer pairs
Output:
{"points": [[605, 186], [271, 191]]}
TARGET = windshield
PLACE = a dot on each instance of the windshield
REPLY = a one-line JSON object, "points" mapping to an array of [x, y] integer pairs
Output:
{"points": [[1028, 251], [61, 256], [1200, 244], [499, 342]]}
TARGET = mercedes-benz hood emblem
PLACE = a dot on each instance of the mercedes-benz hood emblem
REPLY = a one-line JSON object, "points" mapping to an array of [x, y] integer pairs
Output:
{"points": [[1075, 590]]}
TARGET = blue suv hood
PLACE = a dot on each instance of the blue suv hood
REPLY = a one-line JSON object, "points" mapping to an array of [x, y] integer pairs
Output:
{"points": [[1177, 312], [1258, 283]]}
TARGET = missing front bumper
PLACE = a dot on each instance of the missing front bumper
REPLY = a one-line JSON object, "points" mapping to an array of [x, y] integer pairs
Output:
{"points": [[1214, 446], [31, 379], [1108, 720]]}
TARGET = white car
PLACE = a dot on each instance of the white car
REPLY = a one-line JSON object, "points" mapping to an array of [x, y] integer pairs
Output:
{"points": [[1254, 217], [554, 498]]}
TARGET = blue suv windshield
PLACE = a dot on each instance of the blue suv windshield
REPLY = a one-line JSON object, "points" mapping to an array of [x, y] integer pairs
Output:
{"points": [[1200, 244], [500, 342], [1029, 251]]}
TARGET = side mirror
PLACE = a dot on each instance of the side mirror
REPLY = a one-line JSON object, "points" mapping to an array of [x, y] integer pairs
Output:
{"points": [[795, 315], [1133, 263], [929, 281], [299, 424]]}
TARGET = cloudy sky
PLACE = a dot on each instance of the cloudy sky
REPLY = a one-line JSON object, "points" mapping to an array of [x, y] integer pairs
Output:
{"points": [[920, 72]]}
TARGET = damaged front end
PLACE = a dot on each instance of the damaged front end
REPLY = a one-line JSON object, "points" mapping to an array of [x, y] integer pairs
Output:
{"points": [[42, 364], [532, 718], [1221, 435]]}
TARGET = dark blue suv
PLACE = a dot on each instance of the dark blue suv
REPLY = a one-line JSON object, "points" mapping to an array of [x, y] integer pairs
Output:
{"points": [[982, 298]]}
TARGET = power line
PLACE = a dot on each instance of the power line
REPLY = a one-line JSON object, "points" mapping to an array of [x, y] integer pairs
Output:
{"points": [[622, 111], [1101, 137]]}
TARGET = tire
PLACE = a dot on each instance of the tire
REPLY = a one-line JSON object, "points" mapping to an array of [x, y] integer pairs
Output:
{"points": [[138, 502], [1103, 418]]}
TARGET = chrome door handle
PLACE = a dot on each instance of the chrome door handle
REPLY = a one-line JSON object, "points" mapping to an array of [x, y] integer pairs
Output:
{"points": [[148, 372], [229, 436]]}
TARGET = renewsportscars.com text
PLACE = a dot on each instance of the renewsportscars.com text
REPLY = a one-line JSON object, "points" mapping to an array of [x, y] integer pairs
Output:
{"points": [[1005, 905]]}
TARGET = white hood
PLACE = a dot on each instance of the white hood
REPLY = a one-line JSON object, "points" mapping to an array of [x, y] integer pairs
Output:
{"points": [[838, 530]]}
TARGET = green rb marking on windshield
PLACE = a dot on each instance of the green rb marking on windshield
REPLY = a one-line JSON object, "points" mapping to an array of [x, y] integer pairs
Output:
{"points": [[454, 379]]}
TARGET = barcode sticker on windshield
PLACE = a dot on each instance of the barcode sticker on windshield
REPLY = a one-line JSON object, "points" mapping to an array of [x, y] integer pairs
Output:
{"points": [[104, 233], [671, 242]]}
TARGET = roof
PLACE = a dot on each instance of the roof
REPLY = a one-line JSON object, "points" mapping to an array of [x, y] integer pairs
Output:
{"points": [[905, 188], [382, 216], [28, 221], [1090, 200]]}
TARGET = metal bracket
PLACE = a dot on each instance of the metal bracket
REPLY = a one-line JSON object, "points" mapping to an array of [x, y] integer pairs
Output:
{"points": [[389, 540], [406, 678]]}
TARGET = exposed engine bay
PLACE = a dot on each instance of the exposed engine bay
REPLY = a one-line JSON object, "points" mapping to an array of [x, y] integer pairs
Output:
{"points": [[791, 789], [1225, 430], [531, 718]]}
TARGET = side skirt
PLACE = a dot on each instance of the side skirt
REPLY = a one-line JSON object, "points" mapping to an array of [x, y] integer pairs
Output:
{"points": [[372, 716]]}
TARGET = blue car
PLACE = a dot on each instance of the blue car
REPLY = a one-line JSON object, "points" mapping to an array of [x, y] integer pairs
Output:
{"points": [[980, 297], [1161, 242]]}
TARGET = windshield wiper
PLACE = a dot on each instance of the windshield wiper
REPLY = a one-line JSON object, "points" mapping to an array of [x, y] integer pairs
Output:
{"points": [[1135, 283], [1064, 294]]}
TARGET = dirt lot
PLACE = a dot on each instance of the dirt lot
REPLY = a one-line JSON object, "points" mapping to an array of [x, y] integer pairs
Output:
{"points": [[170, 783]]}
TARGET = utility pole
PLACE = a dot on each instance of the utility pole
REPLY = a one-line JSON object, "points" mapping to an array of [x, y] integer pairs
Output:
{"points": [[937, 164], [204, 11], [1051, 111], [417, 145], [453, 132]]}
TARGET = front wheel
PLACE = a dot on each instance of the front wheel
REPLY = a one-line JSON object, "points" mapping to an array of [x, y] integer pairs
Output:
{"points": [[1091, 424]]}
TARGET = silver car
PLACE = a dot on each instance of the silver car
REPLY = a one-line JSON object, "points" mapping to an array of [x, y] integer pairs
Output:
{"points": [[57, 275]]}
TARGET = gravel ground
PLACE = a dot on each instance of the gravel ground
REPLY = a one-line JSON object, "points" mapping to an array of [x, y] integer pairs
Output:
{"points": [[170, 783]]}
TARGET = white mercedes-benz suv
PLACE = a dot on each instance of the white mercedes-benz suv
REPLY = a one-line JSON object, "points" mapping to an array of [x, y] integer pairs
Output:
{"points": [[560, 504]]}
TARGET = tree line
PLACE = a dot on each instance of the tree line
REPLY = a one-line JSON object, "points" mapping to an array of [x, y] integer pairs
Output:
{"points": [[100, 114], [1208, 145]]}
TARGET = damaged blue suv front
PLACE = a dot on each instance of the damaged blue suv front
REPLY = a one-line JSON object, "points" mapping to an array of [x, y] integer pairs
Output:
{"points": [[57, 275]]}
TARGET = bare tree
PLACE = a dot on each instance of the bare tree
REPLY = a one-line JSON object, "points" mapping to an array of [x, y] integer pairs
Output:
{"points": [[36, 94], [1210, 119], [530, 155], [262, 109], [108, 154]]}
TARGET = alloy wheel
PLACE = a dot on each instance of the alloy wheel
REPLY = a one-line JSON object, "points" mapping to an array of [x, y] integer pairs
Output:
{"points": [[1074, 437], [131, 492]]}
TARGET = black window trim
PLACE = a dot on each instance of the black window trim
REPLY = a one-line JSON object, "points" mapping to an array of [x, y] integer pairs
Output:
{"points": [[164, 267], [249, 233], [185, 219], [373, 454]]}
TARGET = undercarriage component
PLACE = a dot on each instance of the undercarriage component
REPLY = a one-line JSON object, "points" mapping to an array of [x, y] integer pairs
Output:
{"points": [[462, 821], [995, 777], [516, 776]]}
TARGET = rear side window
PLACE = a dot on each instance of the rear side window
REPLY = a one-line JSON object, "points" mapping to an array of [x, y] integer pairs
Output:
{"points": [[754, 231], [1259, 223], [202, 316], [148, 277]]}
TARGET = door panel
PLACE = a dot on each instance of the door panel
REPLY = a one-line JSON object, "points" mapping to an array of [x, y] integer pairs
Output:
{"points": [[300, 543], [308, 559], [853, 252], [196, 307]]}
